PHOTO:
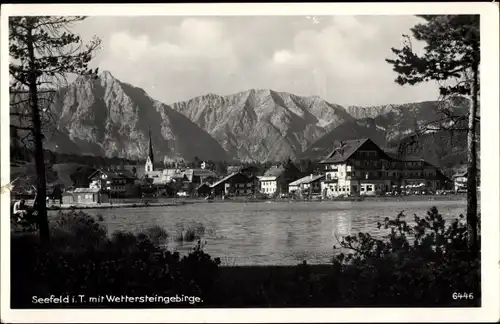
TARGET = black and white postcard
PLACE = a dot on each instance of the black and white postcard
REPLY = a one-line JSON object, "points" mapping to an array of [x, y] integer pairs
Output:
{"points": [[250, 162]]}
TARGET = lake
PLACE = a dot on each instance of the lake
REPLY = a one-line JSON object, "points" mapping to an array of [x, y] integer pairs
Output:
{"points": [[272, 233]]}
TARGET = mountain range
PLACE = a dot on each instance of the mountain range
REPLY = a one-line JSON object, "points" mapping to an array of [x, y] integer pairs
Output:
{"points": [[105, 116]]}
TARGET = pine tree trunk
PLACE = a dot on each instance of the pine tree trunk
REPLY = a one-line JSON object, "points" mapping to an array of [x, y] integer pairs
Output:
{"points": [[472, 165], [40, 202]]}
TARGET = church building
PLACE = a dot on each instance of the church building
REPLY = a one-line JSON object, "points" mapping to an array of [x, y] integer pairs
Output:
{"points": [[177, 174], [149, 169]]}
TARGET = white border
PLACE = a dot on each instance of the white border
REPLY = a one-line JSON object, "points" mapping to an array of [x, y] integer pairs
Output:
{"points": [[490, 193]]}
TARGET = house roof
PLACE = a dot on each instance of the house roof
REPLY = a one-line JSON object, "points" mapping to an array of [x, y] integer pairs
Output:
{"points": [[307, 179], [264, 178], [190, 173], [86, 190], [108, 173], [173, 173], [225, 179], [204, 173], [158, 180], [349, 148], [119, 174], [274, 171], [153, 174], [460, 173], [407, 158]]}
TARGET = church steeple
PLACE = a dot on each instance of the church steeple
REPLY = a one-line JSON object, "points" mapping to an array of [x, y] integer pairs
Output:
{"points": [[151, 156], [150, 159]]}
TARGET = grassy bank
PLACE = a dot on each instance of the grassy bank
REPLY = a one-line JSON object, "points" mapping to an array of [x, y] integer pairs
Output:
{"points": [[83, 259]]}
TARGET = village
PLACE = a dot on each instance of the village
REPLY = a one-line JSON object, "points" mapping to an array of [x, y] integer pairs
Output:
{"points": [[354, 169]]}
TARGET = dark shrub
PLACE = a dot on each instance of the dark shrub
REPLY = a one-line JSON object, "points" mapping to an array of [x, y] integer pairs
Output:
{"points": [[77, 230], [157, 234], [81, 259], [191, 233], [422, 264]]}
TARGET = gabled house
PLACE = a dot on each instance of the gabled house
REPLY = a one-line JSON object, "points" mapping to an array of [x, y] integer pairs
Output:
{"points": [[277, 178], [308, 185], [235, 184], [199, 176], [85, 196]]}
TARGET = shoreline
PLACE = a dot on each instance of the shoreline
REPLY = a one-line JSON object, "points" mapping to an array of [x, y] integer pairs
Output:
{"points": [[252, 200], [350, 199], [116, 205]]}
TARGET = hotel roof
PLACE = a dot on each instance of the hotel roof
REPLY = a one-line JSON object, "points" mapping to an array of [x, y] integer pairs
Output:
{"points": [[341, 154]]}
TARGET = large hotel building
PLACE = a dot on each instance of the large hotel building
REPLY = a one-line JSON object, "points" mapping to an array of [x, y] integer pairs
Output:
{"points": [[360, 167]]}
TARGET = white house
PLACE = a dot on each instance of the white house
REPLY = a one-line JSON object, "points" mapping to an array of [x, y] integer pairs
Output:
{"points": [[268, 184], [460, 181]]}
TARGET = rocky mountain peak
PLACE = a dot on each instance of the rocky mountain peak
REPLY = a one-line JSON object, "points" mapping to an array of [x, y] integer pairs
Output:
{"points": [[105, 116]]}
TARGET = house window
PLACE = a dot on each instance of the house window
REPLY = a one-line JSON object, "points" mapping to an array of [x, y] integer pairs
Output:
{"points": [[354, 188], [369, 188]]}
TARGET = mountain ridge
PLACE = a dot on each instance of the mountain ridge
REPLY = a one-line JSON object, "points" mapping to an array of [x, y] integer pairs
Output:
{"points": [[109, 117], [104, 116]]}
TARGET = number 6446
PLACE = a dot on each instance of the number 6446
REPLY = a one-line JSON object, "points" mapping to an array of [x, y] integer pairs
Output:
{"points": [[462, 296]]}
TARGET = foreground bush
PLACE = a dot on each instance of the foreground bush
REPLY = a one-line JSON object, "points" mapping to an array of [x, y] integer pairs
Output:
{"points": [[83, 260], [425, 264]]}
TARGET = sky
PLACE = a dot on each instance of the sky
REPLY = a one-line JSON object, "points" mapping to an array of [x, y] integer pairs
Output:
{"points": [[338, 58]]}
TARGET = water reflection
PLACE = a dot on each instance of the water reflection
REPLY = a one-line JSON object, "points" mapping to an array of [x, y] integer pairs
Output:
{"points": [[341, 224], [275, 233]]}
